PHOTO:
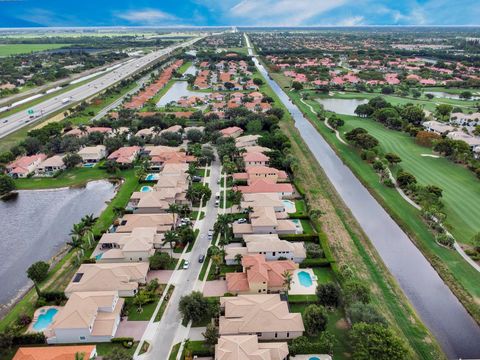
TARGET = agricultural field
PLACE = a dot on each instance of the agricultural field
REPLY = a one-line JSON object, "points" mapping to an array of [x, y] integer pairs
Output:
{"points": [[14, 49]]}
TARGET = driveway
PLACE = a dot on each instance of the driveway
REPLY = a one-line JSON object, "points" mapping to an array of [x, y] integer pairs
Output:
{"points": [[215, 288], [133, 329], [163, 276]]}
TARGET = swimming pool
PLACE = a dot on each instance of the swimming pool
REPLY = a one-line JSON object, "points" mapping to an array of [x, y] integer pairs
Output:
{"points": [[314, 358], [44, 319], [89, 165], [145, 189], [289, 206], [151, 177], [98, 256], [305, 279]]}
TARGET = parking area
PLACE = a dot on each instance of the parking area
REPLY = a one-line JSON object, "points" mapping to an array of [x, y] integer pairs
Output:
{"points": [[133, 329], [163, 276]]}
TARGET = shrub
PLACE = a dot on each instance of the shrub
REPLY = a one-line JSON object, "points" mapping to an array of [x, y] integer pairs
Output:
{"points": [[54, 296], [315, 319], [24, 319], [445, 240], [366, 313], [388, 182], [299, 237], [321, 262], [29, 339], [314, 250], [329, 294], [121, 340], [355, 290], [303, 345]]}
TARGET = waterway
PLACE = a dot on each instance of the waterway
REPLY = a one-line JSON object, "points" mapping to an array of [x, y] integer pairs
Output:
{"points": [[35, 225], [180, 89], [455, 330], [445, 95]]}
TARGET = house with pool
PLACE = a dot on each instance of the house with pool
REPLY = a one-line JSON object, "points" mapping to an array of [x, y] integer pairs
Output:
{"points": [[125, 155], [253, 173], [136, 246], [123, 278], [265, 186], [247, 140], [87, 317], [264, 315], [268, 245], [259, 276], [237, 347], [92, 154], [253, 200]]}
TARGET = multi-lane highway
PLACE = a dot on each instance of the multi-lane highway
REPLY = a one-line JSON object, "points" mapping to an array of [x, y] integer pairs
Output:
{"points": [[15, 121]]}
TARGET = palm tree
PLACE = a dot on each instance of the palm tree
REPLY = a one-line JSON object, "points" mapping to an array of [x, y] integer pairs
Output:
{"points": [[287, 280], [222, 226], [249, 210], [235, 196], [140, 300], [238, 258], [78, 230], [184, 210], [170, 238], [79, 356], [174, 209], [191, 171], [89, 220], [76, 242], [217, 258]]}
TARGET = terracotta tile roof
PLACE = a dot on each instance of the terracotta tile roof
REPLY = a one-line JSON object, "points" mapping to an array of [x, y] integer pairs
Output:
{"points": [[53, 352]]}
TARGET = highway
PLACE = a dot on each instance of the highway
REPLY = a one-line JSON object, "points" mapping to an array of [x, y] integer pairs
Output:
{"points": [[66, 100]]}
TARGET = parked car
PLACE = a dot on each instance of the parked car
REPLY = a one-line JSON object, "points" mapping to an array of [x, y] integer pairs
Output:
{"points": [[201, 258], [210, 234], [241, 221], [217, 203], [186, 265], [196, 178]]}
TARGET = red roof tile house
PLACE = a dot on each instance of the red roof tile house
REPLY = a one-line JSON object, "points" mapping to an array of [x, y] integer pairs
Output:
{"points": [[25, 165], [233, 131], [253, 173], [259, 276], [56, 352], [264, 186], [255, 159], [125, 155]]}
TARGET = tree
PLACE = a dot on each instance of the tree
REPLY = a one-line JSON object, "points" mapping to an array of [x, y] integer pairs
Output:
{"points": [[466, 95], [413, 114], [366, 313], [194, 135], [111, 166], [71, 160], [315, 319], [257, 81], [194, 307], [170, 237], [443, 111], [393, 158], [426, 138], [355, 290], [287, 280], [335, 122], [364, 110], [476, 241], [79, 356], [211, 335], [140, 299], [159, 261], [329, 294], [238, 258], [405, 179], [373, 341], [254, 126], [6, 184], [38, 272], [174, 209], [297, 86], [222, 225]]}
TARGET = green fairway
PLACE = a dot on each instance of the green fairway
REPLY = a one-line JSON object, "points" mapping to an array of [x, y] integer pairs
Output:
{"points": [[461, 189], [14, 49]]}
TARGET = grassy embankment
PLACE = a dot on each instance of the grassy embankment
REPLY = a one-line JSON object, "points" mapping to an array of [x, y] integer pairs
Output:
{"points": [[459, 276], [14, 49], [350, 246]]}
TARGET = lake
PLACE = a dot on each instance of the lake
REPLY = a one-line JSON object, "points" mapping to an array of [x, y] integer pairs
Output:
{"points": [[445, 95], [179, 89], [341, 106], [35, 226]]}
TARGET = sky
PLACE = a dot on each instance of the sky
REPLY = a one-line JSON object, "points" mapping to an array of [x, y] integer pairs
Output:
{"points": [[28, 13]]}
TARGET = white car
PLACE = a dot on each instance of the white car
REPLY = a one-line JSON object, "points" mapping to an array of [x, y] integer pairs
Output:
{"points": [[210, 234], [186, 265], [241, 221]]}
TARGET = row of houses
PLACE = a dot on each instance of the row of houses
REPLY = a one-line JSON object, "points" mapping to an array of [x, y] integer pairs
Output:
{"points": [[96, 292]]}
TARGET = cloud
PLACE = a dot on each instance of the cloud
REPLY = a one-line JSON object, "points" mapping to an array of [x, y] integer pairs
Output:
{"points": [[352, 21], [146, 16]]}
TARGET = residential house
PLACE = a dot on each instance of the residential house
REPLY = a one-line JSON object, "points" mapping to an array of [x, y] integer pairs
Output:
{"points": [[122, 277], [253, 173], [233, 131], [247, 347], [437, 127], [251, 158], [55, 352], [462, 119], [472, 141], [92, 154], [162, 222], [78, 132], [50, 166], [25, 165], [136, 246], [125, 155], [263, 186], [273, 200], [86, 317], [247, 140], [264, 315], [268, 245], [264, 220]]}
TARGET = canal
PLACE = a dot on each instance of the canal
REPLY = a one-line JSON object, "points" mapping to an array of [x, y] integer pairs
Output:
{"points": [[35, 225], [440, 310]]}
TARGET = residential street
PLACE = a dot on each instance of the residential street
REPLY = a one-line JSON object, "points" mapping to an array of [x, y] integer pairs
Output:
{"points": [[163, 335]]}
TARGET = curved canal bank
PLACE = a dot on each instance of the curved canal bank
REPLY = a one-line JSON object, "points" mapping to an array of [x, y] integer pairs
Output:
{"points": [[35, 226], [440, 310]]}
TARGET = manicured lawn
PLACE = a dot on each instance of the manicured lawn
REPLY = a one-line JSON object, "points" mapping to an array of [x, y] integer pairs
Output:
{"points": [[104, 349], [448, 262], [194, 214], [164, 304], [307, 226], [13, 49], [145, 314], [204, 268], [324, 274], [73, 177], [461, 188]]}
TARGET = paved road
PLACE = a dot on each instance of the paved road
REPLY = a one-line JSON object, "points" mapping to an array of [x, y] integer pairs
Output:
{"points": [[16, 121], [163, 334]]}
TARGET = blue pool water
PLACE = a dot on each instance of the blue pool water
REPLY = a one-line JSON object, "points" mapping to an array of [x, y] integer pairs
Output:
{"points": [[145, 189], [289, 205], [91, 165], [314, 358], [305, 279], [44, 319], [151, 177], [98, 256]]}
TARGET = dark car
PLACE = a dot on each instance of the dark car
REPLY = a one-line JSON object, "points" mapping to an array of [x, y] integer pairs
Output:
{"points": [[201, 258], [196, 179]]}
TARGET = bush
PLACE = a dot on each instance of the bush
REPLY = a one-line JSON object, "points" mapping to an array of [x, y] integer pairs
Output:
{"points": [[315, 319], [322, 262], [54, 296], [445, 240], [24, 319], [356, 291], [388, 182], [303, 345], [29, 339], [299, 237], [366, 313], [121, 340], [329, 294], [314, 250]]}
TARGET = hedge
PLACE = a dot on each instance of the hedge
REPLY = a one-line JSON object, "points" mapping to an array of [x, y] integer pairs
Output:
{"points": [[54, 296], [299, 215], [121, 340], [299, 237], [317, 262], [29, 339]]}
